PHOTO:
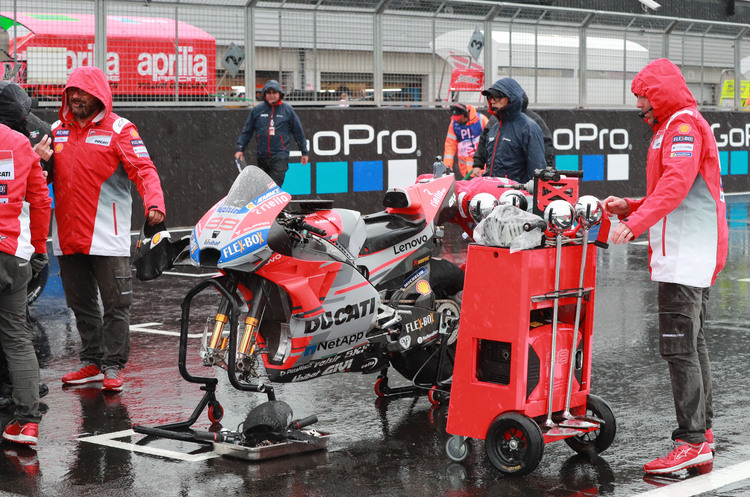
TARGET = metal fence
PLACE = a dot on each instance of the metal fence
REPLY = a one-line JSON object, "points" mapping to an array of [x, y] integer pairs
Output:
{"points": [[362, 52]]}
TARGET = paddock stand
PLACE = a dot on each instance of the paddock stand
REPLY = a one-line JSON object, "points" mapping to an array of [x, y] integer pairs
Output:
{"points": [[181, 430]]}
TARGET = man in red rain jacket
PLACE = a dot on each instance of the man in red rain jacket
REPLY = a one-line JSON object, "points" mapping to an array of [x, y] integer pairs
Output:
{"points": [[23, 237], [97, 154], [685, 215]]}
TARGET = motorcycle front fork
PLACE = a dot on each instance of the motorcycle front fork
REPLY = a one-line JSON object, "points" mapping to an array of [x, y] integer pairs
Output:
{"points": [[247, 344]]}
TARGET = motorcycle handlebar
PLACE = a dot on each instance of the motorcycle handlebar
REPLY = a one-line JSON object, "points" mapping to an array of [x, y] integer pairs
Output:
{"points": [[313, 229], [554, 174]]}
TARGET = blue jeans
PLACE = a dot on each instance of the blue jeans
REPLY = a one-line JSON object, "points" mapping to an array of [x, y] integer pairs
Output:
{"points": [[682, 343]]}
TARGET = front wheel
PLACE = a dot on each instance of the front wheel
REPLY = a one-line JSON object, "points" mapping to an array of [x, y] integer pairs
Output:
{"points": [[456, 448], [598, 440], [514, 444]]}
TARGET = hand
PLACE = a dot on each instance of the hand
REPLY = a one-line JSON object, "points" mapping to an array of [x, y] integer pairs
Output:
{"points": [[43, 148], [621, 234], [304, 159], [616, 206], [238, 155], [38, 261], [156, 217], [476, 172]]}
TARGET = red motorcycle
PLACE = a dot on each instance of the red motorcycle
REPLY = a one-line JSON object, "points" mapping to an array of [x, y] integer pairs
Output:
{"points": [[325, 290]]}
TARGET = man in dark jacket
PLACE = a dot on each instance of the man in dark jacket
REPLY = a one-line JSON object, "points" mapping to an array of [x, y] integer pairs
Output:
{"points": [[273, 123], [515, 145]]}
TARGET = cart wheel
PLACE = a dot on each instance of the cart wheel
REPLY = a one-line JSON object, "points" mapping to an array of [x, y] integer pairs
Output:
{"points": [[215, 412], [436, 396], [514, 444], [381, 386], [457, 448], [597, 440]]}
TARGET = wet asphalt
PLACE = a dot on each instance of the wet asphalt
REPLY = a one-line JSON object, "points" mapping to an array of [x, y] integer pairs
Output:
{"points": [[376, 446]]}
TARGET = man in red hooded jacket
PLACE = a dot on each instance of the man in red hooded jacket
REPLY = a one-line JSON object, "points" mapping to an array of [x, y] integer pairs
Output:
{"points": [[685, 215], [97, 154], [23, 237]]}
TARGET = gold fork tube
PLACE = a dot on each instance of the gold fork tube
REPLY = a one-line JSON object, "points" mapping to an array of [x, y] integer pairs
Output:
{"points": [[221, 321], [251, 324]]}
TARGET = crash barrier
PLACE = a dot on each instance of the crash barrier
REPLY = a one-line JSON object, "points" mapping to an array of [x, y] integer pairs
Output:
{"points": [[356, 154]]}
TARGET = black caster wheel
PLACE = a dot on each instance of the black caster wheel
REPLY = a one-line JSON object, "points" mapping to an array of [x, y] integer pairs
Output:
{"points": [[514, 444], [597, 440], [457, 448]]}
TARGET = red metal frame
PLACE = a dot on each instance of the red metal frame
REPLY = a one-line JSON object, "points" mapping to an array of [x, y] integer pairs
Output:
{"points": [[504, 297]]}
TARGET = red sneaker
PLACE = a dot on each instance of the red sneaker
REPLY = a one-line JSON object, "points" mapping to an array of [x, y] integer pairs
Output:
{"points": [[88, 373], [26, 433], [710, 439], [112, 380], [684, 455]]}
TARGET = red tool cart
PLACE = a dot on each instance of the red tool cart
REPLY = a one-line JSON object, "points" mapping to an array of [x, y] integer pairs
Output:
{"points": [[501, 377]]}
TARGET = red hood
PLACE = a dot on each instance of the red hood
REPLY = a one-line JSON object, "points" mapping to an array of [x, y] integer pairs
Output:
{"points": [[662, 83], [92, 80]]}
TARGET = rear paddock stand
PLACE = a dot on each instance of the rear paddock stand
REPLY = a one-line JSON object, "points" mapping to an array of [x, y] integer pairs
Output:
{"points": [[181, 430]]}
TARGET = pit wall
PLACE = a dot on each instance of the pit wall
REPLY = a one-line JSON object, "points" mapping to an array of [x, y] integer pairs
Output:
{"points": [[356, 154]]}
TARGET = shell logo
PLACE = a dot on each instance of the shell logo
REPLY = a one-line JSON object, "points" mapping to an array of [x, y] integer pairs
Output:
{"points": [[134, 133], [58, 147], [684, 128], [156, 239], [423, 287]]}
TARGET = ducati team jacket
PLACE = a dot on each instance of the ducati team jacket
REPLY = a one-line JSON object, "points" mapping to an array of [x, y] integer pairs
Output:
{"points": [[91, 170], [684, 208], [23, 231], [462, 140]]}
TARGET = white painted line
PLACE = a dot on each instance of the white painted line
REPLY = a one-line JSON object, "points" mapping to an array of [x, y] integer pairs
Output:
{"points": [[744, 279], [108, 440], [703, 483], [146, 328], [190, 275]]}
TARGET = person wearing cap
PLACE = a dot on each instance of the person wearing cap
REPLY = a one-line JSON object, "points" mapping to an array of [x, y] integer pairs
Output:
{"points": [[515, 145], [23, 244], [463, 136], [97, 154], [685, 215], [273, 123]]}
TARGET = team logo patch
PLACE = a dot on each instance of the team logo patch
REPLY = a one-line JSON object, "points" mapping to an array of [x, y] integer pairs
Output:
{"points": [[678, 139], [99, 137], [58, 147], [683, 128], [7, 170], [134, 133], [681, 154], [682, 147], [135, 143], [3, 189], [658, 139]]}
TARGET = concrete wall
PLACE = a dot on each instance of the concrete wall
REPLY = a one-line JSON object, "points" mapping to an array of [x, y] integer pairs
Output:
{"points": [[358, 153]]}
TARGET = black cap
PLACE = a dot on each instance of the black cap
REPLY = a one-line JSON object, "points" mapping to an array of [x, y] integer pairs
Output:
{"points": [[493, 92], [459, 110]]}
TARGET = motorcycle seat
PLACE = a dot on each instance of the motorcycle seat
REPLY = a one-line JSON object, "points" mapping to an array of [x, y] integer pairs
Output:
{"points": [[385, 229]]}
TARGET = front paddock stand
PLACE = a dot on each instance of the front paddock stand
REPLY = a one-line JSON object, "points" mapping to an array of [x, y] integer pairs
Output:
{"points": [[437, 394], [181, 430]]}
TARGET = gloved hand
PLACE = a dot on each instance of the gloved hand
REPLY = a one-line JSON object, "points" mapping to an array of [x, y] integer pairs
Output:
{"points": [[38, 261]]}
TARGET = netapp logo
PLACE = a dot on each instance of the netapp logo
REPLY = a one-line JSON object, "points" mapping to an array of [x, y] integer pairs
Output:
{"points": [[327, 143], [568, 139]]}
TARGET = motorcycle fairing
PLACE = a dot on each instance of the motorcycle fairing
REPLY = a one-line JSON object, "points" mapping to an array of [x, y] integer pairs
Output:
{"points": [[234, 233]]}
